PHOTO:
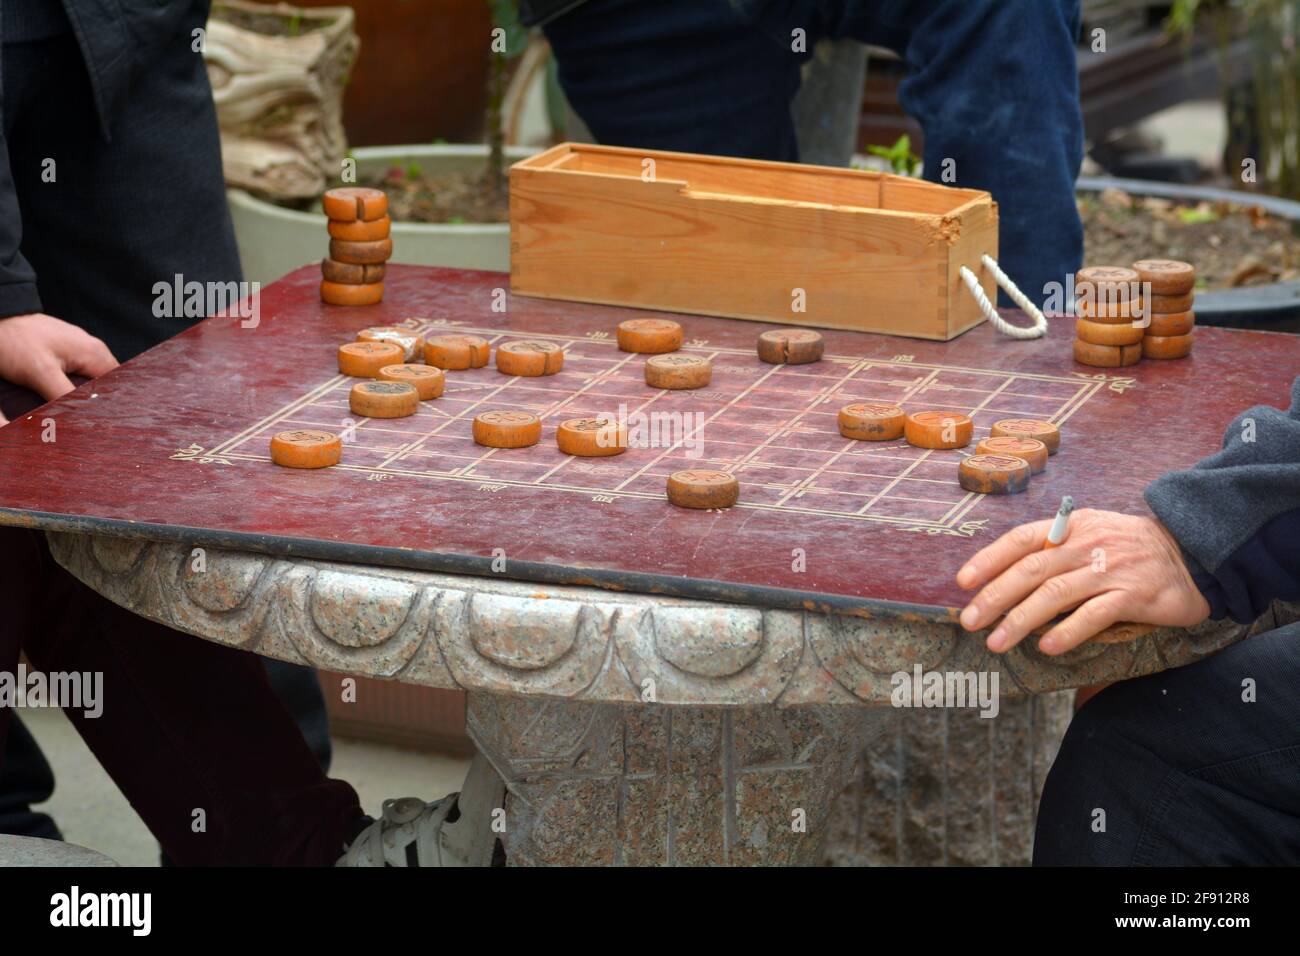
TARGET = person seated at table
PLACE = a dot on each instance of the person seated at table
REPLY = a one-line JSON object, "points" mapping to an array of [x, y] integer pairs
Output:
{"points": [[110, 180], [1200, 764], [993, 83]]}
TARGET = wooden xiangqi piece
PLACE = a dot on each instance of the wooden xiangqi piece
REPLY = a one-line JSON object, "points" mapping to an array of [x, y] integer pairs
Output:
{"points": [[1172, 323]]}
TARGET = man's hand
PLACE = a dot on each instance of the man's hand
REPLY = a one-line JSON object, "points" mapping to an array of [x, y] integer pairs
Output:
{"points": [[39, 351], [1111, 568]]}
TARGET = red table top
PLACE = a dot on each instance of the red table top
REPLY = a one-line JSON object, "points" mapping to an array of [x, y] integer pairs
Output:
{"points": [[174, 446]]}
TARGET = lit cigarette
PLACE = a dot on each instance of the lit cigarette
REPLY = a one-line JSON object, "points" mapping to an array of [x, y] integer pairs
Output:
{"points": [[1061, 525]]}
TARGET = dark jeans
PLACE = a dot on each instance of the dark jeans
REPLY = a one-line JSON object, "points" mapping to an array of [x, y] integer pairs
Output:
{"points": [[186, 725], [993, 83], [1186, 772]]}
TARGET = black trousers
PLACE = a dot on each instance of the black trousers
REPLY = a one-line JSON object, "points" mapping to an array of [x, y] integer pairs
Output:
{"points": [[1190, 767], [115, 218]]}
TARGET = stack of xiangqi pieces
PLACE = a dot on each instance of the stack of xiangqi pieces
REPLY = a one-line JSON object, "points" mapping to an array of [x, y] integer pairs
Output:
{"points": [[1111, 316], [1172, 284], [359, 246]]}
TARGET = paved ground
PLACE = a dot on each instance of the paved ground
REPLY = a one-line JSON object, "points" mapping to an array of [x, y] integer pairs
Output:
{"points": [[94, 813], [1197, 129]]}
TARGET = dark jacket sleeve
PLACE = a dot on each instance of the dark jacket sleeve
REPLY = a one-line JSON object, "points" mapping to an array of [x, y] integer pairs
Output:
{"points": [[1237, 513], [17, 278]]}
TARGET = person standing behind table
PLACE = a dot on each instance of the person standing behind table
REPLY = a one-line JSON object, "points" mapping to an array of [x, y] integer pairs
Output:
{"points": [[993, 83], [1199, 765], [110, 181]]}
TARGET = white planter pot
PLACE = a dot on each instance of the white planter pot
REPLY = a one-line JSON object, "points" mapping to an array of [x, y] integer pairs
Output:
{"points": [[273, 240]]}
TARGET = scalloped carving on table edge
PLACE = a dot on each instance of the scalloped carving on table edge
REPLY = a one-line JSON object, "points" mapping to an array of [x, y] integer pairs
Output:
{"points": [[150, 585]]}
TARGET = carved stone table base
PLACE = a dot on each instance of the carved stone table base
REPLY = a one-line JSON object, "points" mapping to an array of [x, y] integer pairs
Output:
{"points": [[634, 729], [948, 788], [601, 785], [612, 784]]}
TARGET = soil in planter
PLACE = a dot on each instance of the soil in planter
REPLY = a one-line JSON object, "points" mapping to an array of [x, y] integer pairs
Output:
{"points": [[452, 196], [1230, 245]]}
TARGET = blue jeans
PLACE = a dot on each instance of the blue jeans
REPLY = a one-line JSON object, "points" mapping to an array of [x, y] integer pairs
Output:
{"points": [[993, 83]]}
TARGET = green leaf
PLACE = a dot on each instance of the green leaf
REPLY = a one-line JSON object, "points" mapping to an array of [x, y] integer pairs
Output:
{"points": [[1191, 217], [901, 158]]}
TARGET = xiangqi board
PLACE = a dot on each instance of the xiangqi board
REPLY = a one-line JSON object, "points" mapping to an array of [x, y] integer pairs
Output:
{"points": [[176, 445]]}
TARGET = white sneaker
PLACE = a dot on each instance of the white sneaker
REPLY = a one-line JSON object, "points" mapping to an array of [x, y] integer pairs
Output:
{"points": [[454, 831], [409, 832]]}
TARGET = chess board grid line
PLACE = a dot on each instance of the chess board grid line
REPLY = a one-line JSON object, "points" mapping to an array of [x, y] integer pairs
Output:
{"points": [[446, 420], [659, 393], [326, 401], [1081, 400], [916, 387], [711, 461], [921, 385], [789, 423], [737, 397], [884, 492], [779, 487], [471, 479], [596, 379], [296, 403], [732, 350], [1065, 403], [849, 443], [417, 443], [818, 431], [1084, 391], [554, 407], [721, 462], [948, 517], [1010, 378], [808, 409], [962, 511]]}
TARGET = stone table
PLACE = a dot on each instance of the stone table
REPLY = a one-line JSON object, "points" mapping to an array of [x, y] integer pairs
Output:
{"points": [[642, 730], [652, 684]]}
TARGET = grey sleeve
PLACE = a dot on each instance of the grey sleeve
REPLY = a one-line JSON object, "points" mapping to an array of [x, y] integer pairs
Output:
{"points": [[1234, 513]]}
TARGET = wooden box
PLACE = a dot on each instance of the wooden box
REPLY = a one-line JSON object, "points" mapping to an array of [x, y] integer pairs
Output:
{"points": [[748, 239]]}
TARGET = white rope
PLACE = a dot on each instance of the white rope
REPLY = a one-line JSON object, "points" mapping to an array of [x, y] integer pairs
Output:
{"points": [[1037, 330]]}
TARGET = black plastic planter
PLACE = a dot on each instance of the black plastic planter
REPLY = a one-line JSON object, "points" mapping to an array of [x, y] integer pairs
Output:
{"points": [[1274, 307]]}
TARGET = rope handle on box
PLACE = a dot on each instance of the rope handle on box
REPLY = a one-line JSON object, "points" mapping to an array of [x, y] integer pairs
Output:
{"points": [[1037, 330]]}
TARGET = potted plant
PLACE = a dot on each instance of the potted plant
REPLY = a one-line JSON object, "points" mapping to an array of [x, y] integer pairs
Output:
{"points": [[448, 201]]}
